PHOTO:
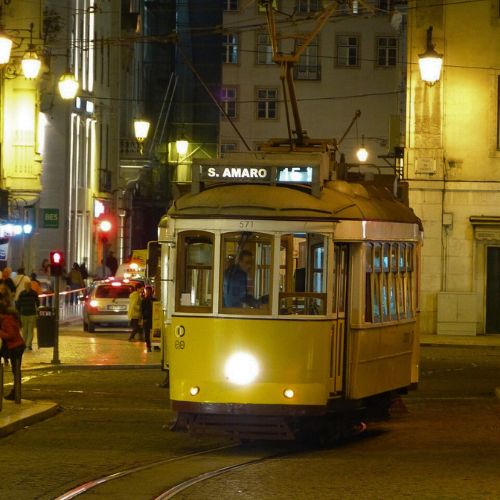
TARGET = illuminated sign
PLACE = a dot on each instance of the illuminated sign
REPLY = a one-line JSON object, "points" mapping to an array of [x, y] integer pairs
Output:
{"points": [[99, 208], [251, 174]]}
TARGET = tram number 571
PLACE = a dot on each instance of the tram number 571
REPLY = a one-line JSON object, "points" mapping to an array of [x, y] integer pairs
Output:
{"points": [[246, 224]]}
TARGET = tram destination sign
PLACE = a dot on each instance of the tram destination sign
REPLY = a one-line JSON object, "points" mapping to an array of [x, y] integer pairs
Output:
{"points": [[299, 174]]}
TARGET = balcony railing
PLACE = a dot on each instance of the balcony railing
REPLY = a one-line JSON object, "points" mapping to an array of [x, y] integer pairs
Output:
{"points": [[129, 148], [307, 72]]}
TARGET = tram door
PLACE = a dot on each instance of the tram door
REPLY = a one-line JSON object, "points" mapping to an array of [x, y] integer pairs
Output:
{"points": [[337, 337]]}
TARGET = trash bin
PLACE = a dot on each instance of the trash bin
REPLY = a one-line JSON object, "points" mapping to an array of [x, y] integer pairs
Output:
{"points": [[46, 326]]}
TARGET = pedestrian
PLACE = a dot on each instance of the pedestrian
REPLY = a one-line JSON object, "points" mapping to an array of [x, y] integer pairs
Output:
{"points": [[112, 263], [44, 268], [75, 281], [134, 311], [10, 333], [7, 280], [84, 271], [35, 284], [27, 305], [147, 315], [19, 281]]}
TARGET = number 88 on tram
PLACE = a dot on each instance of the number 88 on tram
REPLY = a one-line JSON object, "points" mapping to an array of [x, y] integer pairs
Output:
{"points": [[290, 301]]}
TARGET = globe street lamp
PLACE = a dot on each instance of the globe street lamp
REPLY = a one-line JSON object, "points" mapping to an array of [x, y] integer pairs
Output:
{"points": [[30, 63], [141, 130], [430, 62], [362, 153], [68, 86]]}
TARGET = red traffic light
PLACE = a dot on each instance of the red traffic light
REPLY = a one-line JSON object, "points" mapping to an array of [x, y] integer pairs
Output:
{"points": [[105, 226], [56, 262]]}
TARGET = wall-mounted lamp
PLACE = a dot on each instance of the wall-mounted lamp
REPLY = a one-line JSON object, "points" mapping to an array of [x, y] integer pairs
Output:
{"points": [[141, 130], [430, 62], [362, 153]]}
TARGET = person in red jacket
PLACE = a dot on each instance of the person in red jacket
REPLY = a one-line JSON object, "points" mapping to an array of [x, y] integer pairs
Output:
{"points": [[10, 333]]}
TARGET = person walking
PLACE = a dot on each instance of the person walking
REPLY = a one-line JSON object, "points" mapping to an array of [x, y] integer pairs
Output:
{"points": [[134, 311], [7, 280], [10, 333], [19, 282], [112, 263], [75, 281], [147, 315], [35, 284], [27, 305]]}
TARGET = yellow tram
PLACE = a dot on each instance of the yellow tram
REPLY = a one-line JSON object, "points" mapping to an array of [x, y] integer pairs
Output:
{"points": [[290, 300]]}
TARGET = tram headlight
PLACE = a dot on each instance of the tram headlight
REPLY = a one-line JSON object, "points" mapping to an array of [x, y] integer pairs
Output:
{"points": [[288, 393], [241, 368], [194, 390]]}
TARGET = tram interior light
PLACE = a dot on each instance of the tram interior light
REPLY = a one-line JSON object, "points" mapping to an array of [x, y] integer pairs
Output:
{"points": [[241, 368]]}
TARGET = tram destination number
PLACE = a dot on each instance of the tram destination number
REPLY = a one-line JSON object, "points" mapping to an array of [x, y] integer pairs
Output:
{"points": [[246, 224]]}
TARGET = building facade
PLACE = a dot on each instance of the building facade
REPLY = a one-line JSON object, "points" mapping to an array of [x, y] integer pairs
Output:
{"points": [[453, 162], [357, 62]]}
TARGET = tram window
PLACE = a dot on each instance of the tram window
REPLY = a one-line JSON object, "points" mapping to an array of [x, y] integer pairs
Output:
{"points": [[195, 272], [246, 279], [302, 274], [388, 295]]}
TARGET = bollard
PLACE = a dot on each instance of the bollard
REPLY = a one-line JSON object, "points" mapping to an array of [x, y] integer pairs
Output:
{"points": [[1, 384], [16, 365]]}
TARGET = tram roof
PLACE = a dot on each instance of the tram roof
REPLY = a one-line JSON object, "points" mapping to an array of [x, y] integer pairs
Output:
{"points": [[338, 200]]}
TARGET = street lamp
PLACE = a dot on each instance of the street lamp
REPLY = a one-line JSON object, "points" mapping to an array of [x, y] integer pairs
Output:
{"points": [[141, 130], [430, 62], [31, 63], [68, 86], [5, 48], [362, 152], [181, 146]]}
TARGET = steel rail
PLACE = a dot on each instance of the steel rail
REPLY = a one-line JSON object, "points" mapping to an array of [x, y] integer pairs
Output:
{"points": [[86, 487]]}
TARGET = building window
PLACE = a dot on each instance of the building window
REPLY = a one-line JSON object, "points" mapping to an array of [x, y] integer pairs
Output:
{"points": [[347, 50], [383, 5], [267, 104], [308, 67], [264, 49], [227, 147], [230, 48], [230, 5], [305, 6], [387, 51], [228, 101]]}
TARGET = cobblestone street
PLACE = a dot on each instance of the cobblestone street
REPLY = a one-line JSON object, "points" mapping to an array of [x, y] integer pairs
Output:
{"points": [[446, 445]]}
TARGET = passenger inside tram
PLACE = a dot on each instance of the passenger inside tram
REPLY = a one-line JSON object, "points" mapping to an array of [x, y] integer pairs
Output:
{"points": [[235, 282]]}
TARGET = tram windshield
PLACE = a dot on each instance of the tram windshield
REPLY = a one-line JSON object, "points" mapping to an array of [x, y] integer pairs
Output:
{"points": [[246, 274], [302, 274]]}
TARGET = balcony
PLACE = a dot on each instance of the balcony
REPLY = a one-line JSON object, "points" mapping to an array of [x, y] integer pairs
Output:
{"points": [[307, 72]]}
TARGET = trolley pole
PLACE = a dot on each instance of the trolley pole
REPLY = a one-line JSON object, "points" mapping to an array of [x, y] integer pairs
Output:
{"points": [[55, 355]]}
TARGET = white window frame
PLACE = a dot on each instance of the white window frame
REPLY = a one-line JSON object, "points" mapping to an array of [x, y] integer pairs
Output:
{"points": [[386, 51], [230, 42], [267, 100], [340, 43], [308, 67], [229, 101], [264, 49]]}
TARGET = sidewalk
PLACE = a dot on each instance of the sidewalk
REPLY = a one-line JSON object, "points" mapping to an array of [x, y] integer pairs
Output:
{"points": [[102, 349], [77, 349], [460, 340]]}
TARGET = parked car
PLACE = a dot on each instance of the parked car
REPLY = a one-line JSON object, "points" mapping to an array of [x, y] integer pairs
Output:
{"points": [[106, 303]]}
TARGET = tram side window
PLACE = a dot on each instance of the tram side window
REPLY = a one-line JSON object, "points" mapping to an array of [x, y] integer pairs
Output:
{"points": [[246, 274], [302, 274], [195, 272], [388, 294]]}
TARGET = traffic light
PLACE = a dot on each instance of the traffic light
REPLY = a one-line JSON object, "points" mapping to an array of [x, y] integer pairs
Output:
{"points": [[105, 229], [56, 263]]}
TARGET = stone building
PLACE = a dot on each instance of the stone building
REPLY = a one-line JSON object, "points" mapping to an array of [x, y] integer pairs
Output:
{"points": [[453, 162]]}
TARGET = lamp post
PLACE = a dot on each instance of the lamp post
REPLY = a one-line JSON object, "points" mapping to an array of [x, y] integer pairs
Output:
{"points": [[31, 63], [430, 62], [105, 226], [141, 130]]}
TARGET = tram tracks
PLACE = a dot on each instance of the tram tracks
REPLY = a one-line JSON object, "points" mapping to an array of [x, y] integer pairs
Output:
{"points": [[164, 479]]}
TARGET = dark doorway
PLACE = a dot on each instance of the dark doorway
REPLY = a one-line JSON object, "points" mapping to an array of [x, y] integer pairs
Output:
{"points": [[493, 290]]}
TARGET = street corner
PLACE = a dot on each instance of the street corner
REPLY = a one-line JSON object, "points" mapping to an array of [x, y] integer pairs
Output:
{"points": [[14, 417]]}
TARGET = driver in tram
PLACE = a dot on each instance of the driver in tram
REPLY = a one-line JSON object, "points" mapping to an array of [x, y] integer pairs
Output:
{"points": [[235, 282]]}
